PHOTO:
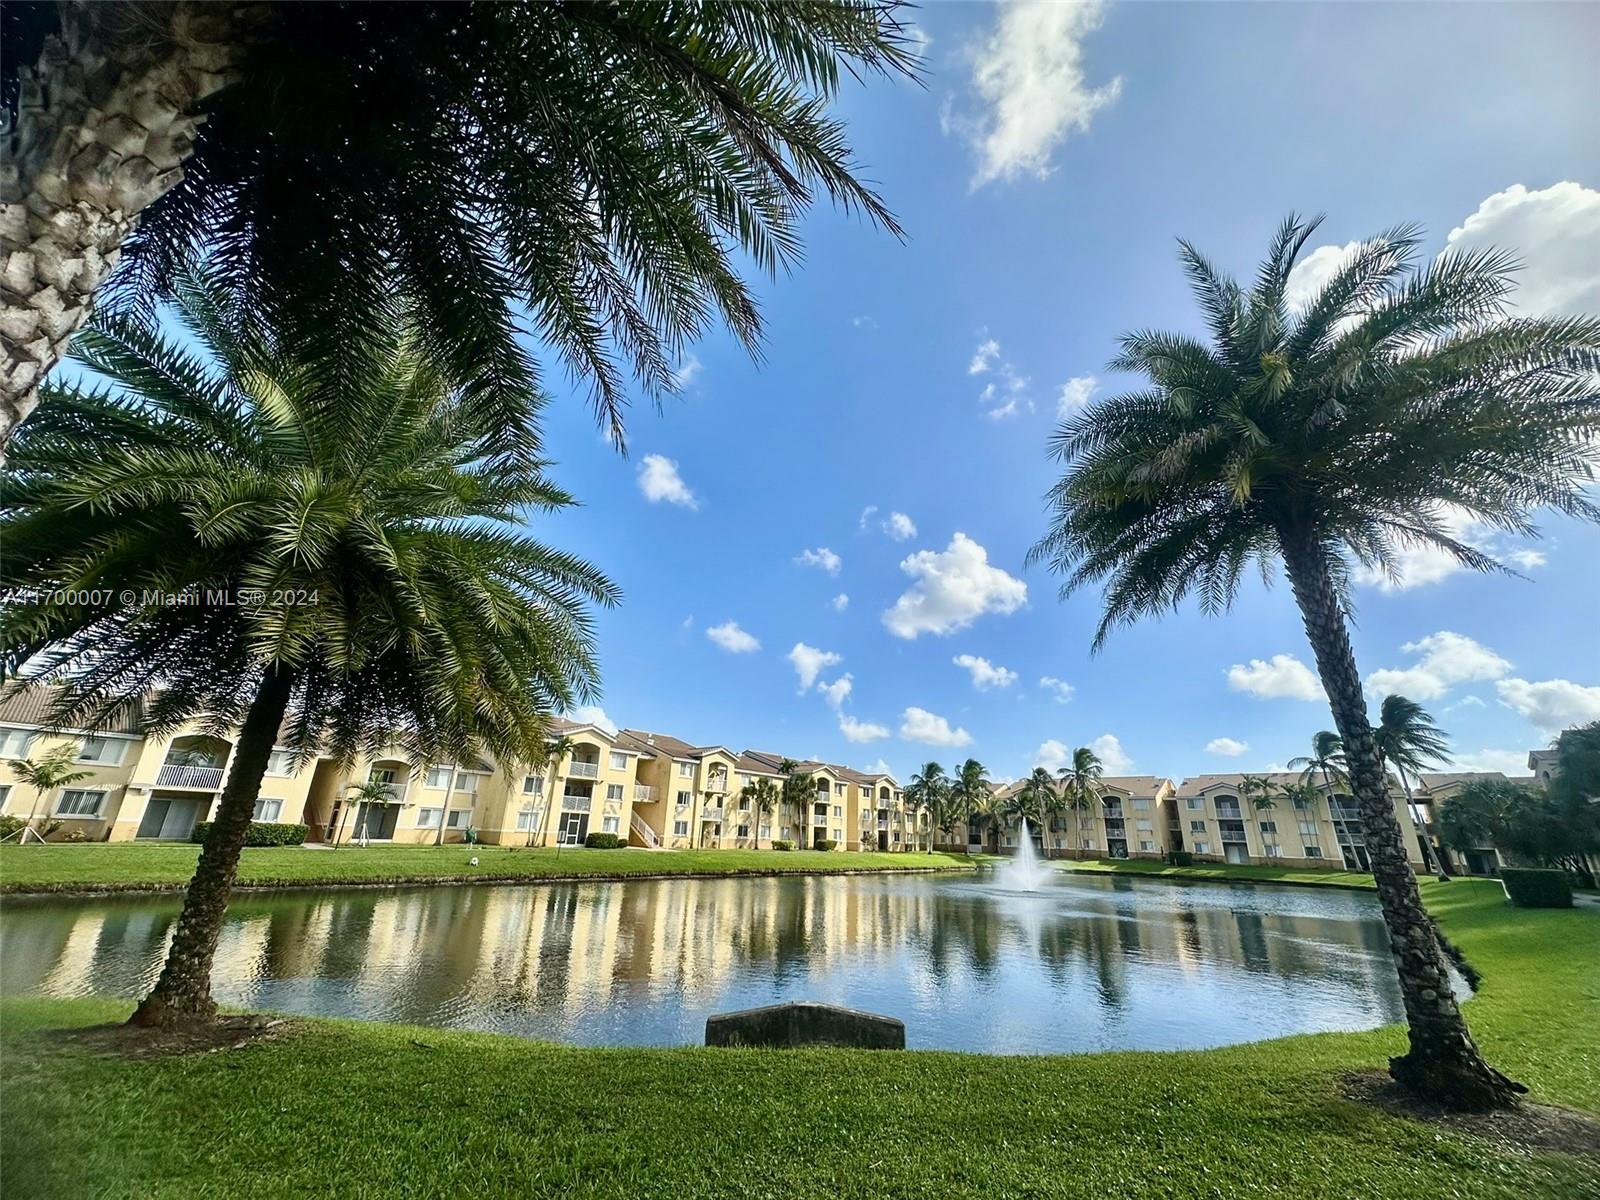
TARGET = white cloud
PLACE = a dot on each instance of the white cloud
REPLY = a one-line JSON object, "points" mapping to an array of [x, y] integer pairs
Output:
{"points": [[731, 638], [861, 731], [1075, 395], [1551, 704], [1052, 755], [592, 714], [1464, 702], [1313, 271], [985, 675], [809, 662], [1447, 659], [1508, 762], [1227, 747], [1112, 756], [878, 768], [1059, 688], [1555, 233], [899, 526], [867, 515], [837, 692], [1528, 560], [1030, 78], [1417, 565], [1008, 409], [659, 480], [687, 371], [821, 557], [984, 357], [840, 602], [1283, 677], [864, 322], [953, 588], [920, 725]]}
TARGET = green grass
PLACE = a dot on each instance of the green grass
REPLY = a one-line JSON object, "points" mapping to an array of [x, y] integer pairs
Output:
{"points": [[348, 1109], [1291, 875], [134, 867]]}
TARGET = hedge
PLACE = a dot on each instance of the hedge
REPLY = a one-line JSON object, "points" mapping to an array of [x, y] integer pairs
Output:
{"points": [[260, 833], [824, 844], [1537, 887], [1180, 858], [603, 841], [780, 844]]}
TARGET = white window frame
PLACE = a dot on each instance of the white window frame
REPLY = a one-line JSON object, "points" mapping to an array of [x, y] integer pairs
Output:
{"points": [[99, 795], [1194, 803], [610, 824], [532, 785], [764, 831], [680, 829], [618, 760], [525, 819], [685, 799], [459, 818], [260, 813], [685, 770], [437, 778], [613, 792], [1197, 826], [1202, 847], [467, 781], [280, 763], [16, 743], [106, 744], [1312, 850], [429, 818]]}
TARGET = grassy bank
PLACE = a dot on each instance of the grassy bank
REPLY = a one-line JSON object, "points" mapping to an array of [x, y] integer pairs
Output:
{"points": [[135, 867], [340, 1108], [1223, 871]]}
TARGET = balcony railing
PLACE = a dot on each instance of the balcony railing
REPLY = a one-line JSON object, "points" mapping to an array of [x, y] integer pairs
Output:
{"points": [[717, 784], [584, 770], [642, 793], [711, 813], [1113, 811], [570, 803], [172, 775], [1230, 811]]}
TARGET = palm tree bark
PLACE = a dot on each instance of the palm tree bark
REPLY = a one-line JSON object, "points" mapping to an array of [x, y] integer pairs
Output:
{"points": [[106, 117], [1443, 1063], [182, 996]]}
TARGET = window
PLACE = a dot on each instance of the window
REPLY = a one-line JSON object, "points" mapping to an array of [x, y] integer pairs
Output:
{"points": [[686, 770], [437, 777], [280, 762], [102, 750], [838, 811], [746, 779], [76, 803], [267, 810], [460, 818], [838, 835], [680, 828], [1313, 851], [1197, 826], [428, 818], [1273, 850], [525, 819], [742, 831], [1144, 826], [1202, 847], [744, 803], [1088, 844], [467, 782], [785, 836], [613, 791], [608, 825], [1141, 806], [1195, 803], [619, 761], [1308, 826], [838, 789], [1302, 803], [684, 799], [15, 743], [532, 785], [1269, 827], [1146, 847], [5, 792]]}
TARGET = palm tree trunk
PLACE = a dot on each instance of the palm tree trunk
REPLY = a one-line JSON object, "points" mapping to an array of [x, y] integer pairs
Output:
{"points": [[182, 996], [1443, 1063], [106, 117], [1430, 854]]}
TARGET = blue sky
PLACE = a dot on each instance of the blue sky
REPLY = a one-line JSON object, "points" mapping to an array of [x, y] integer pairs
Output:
{"points": [[1043, 174]]}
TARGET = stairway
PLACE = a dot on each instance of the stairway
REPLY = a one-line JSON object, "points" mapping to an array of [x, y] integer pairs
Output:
{"points": [[646, 834]]}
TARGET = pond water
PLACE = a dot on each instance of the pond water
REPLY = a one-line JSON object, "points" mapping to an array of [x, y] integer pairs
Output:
{"points": [[1085, 963]]}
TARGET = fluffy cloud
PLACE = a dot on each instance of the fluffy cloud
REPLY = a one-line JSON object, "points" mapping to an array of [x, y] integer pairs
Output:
{"points": [[1551, 704], [659, 481], [592, 714], [920, 725], [1075, 394], [881, 767], [837, 692], [1313, 271], [952, 588], [809, 662], [1227, 747], [1002, 395], [1112, 756], [1059, 688], [731, 638], [983, 357], [1283, 677], [1507, 762], [985, 674], [1447, 659], [839, 603], [899, 526], [821, 557], [1555, 234], [687, 371], [1418, 565], [861, 731], [1052, 755], [1030, 78]]}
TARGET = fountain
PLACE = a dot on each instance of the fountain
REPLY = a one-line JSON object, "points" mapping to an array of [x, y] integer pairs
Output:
{"points": [[1024, 873]]}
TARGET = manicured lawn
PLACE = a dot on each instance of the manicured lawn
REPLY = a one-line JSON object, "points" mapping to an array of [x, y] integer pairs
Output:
{"points": [[1294, 875], [347, 1109], [101, 867]]}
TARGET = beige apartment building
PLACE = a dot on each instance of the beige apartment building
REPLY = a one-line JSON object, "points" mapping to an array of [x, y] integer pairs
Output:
{"points": [[1131, 819]]}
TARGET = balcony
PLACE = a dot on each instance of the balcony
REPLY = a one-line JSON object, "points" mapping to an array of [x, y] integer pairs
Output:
{"points": [[711, 813], [1228, 812], [583, 770], [642, 793], [571, 803], [717, 784], [206, 778]]}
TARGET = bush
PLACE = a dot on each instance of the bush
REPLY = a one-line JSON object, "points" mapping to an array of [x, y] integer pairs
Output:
{"points": [[780, 844], [1537, 887], [260, 833], [824, 844], [603, 841], [10, 825], [1180, 858]]}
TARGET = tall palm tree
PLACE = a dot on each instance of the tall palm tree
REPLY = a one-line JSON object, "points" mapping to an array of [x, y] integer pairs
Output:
{"points": [[1022, 805], [1410, 741], [1331, 436], [928, 790], [552, 753], [1325, 762], [763, 796], [596, 167], [1042, 800], [1080, 780], [44, 775], [349, 566], [799, 792], [968, 790]]}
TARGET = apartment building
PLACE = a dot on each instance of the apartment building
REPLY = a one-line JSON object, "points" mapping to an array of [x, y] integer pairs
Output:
{"points": [[1130, 819]]}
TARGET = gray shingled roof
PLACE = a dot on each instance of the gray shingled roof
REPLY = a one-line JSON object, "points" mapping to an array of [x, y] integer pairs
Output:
{"points": [[30, 705]]}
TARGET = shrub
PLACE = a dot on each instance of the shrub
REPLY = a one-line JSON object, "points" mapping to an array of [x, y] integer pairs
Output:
{"points": [[260, 833], [603, 841], [75, 835], [780, 844], [825, 844], [1180, 858], [1537, 887], [10, 825]]}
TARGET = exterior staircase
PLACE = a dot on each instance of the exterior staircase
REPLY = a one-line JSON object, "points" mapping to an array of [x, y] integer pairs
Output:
{"points": [[646, 835]]}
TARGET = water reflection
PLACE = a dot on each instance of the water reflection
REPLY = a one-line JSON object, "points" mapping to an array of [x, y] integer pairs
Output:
{"points": [[1086, 963]]}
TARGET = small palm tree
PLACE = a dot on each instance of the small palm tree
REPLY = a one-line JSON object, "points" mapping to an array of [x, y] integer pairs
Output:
{"points": [[363, 799], [763, 796], [928, 789], [45, 775], [364, 529], [1326, 761], [1329, 438], [1022, 805], [1042, 799], [799, 791], [1410, 742], [552, 753], [1080, 781]]}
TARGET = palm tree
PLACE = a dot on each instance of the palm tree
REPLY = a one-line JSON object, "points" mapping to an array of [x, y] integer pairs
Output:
{"points": [[763, 796], [597, 167], [1080, 781], [1042, 799], [363, 798], [49, 772], [928, 789], [799, 791], [350, 566], [1410, 741], [968, 791], [1326, 761], [552, 753], [1021, 805], [1334, 436]]}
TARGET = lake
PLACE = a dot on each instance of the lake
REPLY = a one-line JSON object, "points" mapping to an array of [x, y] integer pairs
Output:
{"points": [[1086, 963]]}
